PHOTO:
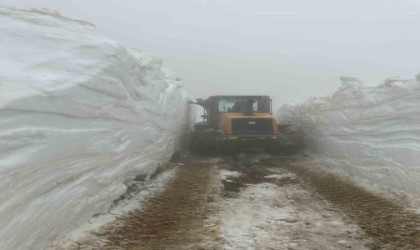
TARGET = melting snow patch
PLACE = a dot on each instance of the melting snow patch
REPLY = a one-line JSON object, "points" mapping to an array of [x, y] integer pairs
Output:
{"points": [[226, 174], [281, 176], [243, 225], [266, 216]]}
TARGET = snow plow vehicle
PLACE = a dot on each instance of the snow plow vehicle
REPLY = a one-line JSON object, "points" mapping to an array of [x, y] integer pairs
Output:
{"points": [[234, 122]]}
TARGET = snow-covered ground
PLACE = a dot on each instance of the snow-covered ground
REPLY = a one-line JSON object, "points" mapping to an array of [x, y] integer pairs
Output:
{"points": [[282, 216], [266, 216], [80, 117], [371, 133]]}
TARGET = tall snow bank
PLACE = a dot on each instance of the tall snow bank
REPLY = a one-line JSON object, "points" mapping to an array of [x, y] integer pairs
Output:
{"points": [[372, 133], [80, 117]]}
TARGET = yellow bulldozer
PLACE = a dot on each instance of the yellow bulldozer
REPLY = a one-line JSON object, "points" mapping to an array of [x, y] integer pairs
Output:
{"points": [[235, 122]]}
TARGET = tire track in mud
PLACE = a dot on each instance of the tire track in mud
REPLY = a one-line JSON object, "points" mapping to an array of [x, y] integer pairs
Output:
{"points": [[173, 219], [178, 217], [387, 223]]}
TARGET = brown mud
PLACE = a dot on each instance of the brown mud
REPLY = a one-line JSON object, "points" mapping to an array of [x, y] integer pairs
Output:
{"points": [[172, 219], [388, 224], [176, 218]]}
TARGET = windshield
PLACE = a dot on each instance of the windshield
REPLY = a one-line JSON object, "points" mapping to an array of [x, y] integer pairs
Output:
{"points": [[238, 105]]}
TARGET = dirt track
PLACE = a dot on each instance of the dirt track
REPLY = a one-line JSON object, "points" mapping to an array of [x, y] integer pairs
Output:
{"points": [[387, 223], [260, 202]]}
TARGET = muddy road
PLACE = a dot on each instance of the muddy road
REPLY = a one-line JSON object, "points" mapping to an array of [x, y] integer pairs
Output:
{"points": [[258, 202]]}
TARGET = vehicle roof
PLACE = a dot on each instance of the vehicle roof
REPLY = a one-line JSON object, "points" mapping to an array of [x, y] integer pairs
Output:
{"points": [[241, 96]]}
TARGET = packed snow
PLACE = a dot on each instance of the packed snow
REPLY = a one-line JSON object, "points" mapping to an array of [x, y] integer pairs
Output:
{"points": [[81, 117], [371, 133]]}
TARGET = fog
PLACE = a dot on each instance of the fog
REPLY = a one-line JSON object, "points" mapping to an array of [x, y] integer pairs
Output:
{"points": [[287, 49]]}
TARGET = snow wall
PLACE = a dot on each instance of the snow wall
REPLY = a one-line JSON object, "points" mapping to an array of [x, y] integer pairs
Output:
{"points": [[80, 117], [370, 133]]}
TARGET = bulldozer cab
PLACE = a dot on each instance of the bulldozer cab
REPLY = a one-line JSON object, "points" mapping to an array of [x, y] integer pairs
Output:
{"points": [[234, 122], [247, 105]]}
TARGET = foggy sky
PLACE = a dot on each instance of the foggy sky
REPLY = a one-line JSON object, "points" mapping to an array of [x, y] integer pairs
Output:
{"points": [[287, 49]]}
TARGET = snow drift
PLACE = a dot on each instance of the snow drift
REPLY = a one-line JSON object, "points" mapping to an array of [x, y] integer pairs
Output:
{"points": [[80, 117], [371, 133]]}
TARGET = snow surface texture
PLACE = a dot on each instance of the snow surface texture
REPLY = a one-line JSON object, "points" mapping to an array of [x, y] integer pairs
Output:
{"points": [[80, 117], [266, 216], [371, 133]]}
